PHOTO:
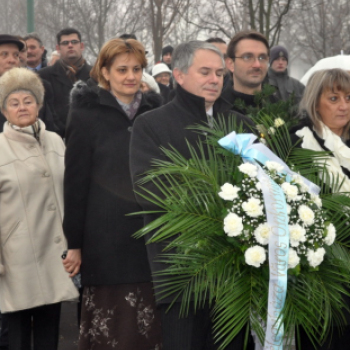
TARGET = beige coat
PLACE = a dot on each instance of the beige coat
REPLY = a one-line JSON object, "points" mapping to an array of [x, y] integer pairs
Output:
{"points": [[31, 209]]}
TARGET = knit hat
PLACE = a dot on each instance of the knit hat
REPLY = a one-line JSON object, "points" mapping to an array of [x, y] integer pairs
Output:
{"points": [[167, 49], [277, 52], [19, 79], [160, 68], [149, 80]]}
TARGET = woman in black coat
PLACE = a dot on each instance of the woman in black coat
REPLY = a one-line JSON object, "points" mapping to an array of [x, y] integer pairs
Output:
{"points": [[118, 303], [326, 107]]}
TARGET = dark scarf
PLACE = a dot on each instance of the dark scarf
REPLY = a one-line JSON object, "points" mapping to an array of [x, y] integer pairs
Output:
{"points": [[73, 69]]}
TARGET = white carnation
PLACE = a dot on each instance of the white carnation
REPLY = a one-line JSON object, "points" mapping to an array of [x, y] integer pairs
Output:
{"points": [[253, 207], [316, 199], [297, 234], [262, 233], [278, 122], [315, 257], [291, 191], [293, 258], [299, 180], [329, 240], [304, 188], [306, 215], [272, 130], [274, 166], [255, 256], [229, 192], [249, 169], [233, 225]]}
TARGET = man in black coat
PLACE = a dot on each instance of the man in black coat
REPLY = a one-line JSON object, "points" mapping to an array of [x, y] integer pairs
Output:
{"points": [[70, 68], [198, 69], [278, 76]]}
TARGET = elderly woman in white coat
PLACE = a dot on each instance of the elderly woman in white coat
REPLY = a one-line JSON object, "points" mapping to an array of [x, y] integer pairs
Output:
{"points": [[33, 282]]}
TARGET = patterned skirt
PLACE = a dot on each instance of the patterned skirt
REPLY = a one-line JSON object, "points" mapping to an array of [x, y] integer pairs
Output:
{"points": [[120, 317]]}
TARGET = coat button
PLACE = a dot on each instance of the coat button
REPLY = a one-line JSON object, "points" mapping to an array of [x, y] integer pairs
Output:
{"points": [[46, 174], [52, 207], [57, 239]]}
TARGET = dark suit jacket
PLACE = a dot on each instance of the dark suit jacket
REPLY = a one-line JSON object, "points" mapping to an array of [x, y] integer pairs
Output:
{"points": [[162, 127], [62, 86]]}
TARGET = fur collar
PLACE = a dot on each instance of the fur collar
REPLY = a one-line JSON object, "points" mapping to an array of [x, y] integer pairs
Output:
{"points": [[83, 95], [338, 165]]}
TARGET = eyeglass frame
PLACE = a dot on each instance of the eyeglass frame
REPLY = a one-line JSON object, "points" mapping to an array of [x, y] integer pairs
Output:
{"points": [[67, 42], [262, 60]]}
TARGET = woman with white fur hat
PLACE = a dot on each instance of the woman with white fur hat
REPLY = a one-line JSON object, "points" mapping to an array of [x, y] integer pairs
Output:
{"points": [[33, 282]]}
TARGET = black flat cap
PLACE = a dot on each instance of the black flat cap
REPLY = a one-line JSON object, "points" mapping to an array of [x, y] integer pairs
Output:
{"points": [[10, 39]]}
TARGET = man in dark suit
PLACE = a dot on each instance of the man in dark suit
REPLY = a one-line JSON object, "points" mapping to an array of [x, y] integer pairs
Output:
{"points": [[198, 69], [70, 68]]}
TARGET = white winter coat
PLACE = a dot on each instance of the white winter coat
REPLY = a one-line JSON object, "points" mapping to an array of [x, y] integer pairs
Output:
{"points": [[31, 209]]}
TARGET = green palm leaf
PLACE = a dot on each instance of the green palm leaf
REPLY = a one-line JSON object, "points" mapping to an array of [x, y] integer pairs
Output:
{"points": [[206, 266]]}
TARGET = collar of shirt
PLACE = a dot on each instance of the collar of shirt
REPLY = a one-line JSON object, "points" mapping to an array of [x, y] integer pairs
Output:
{"points": [[36, 68], [210, 111]]}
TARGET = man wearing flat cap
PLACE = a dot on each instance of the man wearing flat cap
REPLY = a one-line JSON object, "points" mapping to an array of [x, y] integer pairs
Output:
{"points": [[9, 52], [278, 76]]}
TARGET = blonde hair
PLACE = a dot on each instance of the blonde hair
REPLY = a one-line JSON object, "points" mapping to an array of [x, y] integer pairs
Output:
{"points": [[110, 50], [323, 80]]}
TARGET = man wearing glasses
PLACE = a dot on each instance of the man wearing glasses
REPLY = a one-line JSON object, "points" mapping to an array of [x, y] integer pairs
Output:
{"points": [[248, 60], [70, 68]]}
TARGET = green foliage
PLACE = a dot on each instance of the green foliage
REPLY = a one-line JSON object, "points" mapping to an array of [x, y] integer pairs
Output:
{"points": [[265, 104], [204, 265]]}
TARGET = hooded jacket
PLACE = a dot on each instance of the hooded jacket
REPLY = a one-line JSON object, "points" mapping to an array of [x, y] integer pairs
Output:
{"points": [[98, 191]]}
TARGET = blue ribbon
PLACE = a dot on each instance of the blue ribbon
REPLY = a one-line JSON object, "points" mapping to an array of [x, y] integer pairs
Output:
{"points": [[277, 218], [243, 145]]}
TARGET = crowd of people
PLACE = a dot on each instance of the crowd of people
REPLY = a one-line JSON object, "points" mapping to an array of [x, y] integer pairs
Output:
{"points": [[76, 139]]}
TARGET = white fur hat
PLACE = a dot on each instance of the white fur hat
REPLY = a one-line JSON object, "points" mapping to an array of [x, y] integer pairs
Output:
{"points": [[20, 79]]}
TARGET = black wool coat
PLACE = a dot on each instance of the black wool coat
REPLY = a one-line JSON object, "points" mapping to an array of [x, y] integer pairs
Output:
{"points": [[98, 192], [163, 127], [231, 96], [61, 86]]}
